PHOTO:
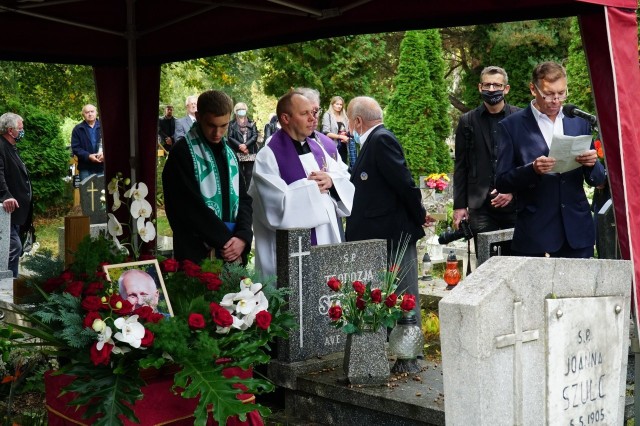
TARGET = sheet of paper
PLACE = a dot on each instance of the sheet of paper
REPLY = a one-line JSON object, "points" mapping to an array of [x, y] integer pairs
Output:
{"points": [[565, 149]]}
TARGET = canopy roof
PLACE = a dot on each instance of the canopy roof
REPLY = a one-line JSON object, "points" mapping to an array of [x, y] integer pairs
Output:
{"points": [[98, 32]]}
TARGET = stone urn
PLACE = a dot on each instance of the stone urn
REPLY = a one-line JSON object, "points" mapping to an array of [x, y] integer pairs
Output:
{"points": [[365, 358]]}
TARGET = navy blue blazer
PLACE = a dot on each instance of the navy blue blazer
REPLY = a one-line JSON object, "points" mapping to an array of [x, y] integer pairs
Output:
{"points": [[550, 208], [386, 204]]}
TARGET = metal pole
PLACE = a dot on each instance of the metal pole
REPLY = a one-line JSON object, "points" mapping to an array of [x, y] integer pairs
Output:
{"points": [[133, 89]]}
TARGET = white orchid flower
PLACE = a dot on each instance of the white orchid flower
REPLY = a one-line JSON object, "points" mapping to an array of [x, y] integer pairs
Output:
{"points": [[113, 186], [104, 335], [119, 350], [116, 201], [131, 331], [237, 323], [140, 208], [128, 192], [113, 226], [140, 191], [258, 305], [146, 230]]}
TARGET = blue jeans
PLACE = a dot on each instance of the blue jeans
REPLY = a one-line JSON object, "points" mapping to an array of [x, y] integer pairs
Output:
{"points": [[15, 249]]}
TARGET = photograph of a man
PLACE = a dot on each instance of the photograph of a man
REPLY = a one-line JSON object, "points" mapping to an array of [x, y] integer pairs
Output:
{"points": [[139, 289]]}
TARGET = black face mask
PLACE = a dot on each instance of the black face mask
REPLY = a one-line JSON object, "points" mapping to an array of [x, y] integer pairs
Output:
{"points": [[493, 97]]}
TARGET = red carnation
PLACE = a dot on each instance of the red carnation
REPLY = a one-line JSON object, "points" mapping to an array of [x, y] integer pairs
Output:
{"points": [[101, 357], [93, 288], [408, 302], [334, 284], [74, 288], [196, 321], [155, 317], [212, 281], [148, 338], [263, 319], [359, 287], [91, 303], [335, 312], [376, 295], [391, 300], [144, 312], [90, 318], [190, 268], [125, 308], [169, 265], [360, 303]]}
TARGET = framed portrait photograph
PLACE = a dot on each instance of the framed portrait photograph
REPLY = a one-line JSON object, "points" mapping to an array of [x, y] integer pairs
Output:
{"points": [[141, 284]]}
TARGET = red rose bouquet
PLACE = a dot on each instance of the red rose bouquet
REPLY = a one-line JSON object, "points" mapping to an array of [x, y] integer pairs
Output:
{"points": [[221, 319], [358, 306]]}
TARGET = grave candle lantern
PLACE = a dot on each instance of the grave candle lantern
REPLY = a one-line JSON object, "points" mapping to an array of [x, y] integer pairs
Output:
{"points": [[451, 273]]}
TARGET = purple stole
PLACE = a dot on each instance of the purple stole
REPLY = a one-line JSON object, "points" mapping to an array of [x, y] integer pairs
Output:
{"points": [[289, 163], [328, 144]]}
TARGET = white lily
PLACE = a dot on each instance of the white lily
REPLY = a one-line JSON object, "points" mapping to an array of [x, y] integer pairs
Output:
{"points": [[131, 331], [113, 226], [146, 230], [140, 208]]}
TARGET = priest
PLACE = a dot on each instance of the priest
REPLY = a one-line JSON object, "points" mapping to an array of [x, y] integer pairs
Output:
{"points": [[296, 184]]}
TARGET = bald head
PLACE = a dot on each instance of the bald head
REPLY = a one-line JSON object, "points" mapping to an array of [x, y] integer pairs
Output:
{"points": [[139, 288], [89, 113], [363, 113]]}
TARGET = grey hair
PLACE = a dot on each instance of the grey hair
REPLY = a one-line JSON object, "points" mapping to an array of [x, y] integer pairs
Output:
{"points": [[144, 276], [9, 120], [192, 98], [365, 107], [312, 94], [492, 69]]}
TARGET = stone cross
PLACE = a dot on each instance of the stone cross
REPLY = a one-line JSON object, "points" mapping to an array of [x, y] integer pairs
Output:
{"points": [[305, 270], [516, 339]]}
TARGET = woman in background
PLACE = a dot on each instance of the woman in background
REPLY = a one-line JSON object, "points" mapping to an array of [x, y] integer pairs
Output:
{"points": [[243, 138], [335, 125]]}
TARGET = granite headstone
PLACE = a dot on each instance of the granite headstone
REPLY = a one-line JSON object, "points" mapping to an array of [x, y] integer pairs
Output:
{"points": [[607, 237], [537, 341], [92, 196], [494, 243], [6, 276], [305, 270]]}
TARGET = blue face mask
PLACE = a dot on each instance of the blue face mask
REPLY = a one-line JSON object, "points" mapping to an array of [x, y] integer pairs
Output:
{"points": [[356, 137], [20, 135]]}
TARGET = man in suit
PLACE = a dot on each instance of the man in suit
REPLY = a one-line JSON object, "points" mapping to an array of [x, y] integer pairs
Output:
{"points": [[184, 124], [475, 197], [553, 214], [15, 185], [387, 204]]}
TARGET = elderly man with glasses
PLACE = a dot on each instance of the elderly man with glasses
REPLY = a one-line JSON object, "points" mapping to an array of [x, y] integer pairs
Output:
{"points": [[553, 214], [475, 197]]}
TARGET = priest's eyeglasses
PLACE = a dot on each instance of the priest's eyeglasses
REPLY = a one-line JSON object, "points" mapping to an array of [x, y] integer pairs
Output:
{"points": [[553, 96]]}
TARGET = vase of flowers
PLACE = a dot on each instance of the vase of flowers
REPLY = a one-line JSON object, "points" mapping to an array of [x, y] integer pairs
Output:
{"points": [[437, 182], [365, 312]]}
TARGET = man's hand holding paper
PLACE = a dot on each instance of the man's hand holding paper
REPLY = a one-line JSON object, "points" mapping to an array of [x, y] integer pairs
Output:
{"points": [[571, 152]]}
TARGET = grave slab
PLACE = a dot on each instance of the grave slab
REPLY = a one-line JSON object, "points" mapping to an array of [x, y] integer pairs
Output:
{"points": [[494, 243]]}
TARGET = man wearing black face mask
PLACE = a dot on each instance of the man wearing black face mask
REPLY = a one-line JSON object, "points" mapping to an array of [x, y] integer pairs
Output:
{"points": [[474, 195]]}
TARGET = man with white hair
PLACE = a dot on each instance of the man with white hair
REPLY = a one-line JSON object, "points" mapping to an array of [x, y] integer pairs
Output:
{"points": [[15, 185], [184, 124], [139, 289]]}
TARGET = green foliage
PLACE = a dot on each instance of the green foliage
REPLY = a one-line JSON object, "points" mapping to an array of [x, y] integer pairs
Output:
{"points": [[63, 316], [44, 154], [577, 73], [517, 47], [335, 66], [43, 263], [413, 110]]}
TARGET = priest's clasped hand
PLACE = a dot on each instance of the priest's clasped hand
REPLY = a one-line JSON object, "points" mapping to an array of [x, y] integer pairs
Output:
{"points": [[322, 179]]}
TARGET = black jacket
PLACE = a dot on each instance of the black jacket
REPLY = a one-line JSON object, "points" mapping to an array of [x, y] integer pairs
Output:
{"points": [[236, 139], [15, 183], [387, 204]]}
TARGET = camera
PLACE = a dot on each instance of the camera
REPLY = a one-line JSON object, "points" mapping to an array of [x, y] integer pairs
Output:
{"points": [[463, 231]]}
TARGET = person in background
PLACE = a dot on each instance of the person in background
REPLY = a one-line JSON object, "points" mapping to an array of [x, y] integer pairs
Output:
{"points": [[475, 197], [243, 139], [86, 143], [335, 125], [553, 214], [296, 184], [271, 127], [184, 124], [15, 186], [387, 204], [167, 128], [208, 207], [314, 96]]}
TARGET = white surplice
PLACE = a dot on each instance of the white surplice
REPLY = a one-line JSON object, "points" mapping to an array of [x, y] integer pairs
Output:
{"points": [[277, 205]]}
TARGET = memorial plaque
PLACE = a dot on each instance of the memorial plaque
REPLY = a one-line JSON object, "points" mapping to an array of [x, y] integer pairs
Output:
{"points": [[584, 360], [305, 270]]}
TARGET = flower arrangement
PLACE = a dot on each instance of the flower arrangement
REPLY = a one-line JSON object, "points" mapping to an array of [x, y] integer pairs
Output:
{"points": [[361, 306], [222, 318], [437, 181]]}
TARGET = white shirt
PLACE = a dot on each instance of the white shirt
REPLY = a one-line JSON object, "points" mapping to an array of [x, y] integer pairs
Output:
{"points": [[548, 127], [365, 135]]}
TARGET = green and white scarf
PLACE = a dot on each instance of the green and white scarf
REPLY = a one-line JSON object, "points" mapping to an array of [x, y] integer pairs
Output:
{"points": [[208, 177]]}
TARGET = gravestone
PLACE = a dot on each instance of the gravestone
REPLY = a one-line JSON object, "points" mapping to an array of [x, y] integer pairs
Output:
{"points": [[305, 270], [92, 199], [494, 243], [94, 230], [537, 341], [6, 276], [607, 239]]}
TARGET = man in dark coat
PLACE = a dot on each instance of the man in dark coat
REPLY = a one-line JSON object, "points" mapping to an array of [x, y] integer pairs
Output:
{"points": [[15, 185], [208, 208], [553, 213], [475, 197], [86, 143], [387, 204], [167, 127]]}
